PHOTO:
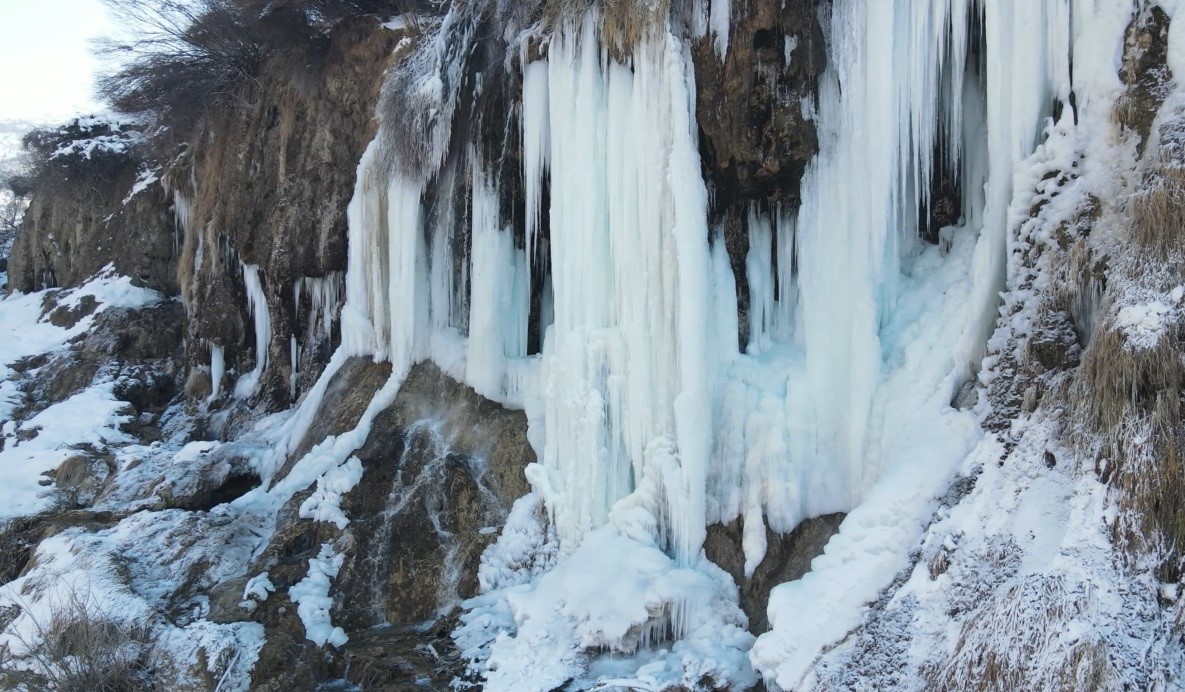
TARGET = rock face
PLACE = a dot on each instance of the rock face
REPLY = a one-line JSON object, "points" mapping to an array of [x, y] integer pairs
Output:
{"points": [[754, 109], [441, 467], [267, 185], [787, 557], [73, 229]]}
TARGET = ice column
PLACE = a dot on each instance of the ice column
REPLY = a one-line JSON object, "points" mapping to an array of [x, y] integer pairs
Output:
{"points": [[257, 304], [628, 367]]}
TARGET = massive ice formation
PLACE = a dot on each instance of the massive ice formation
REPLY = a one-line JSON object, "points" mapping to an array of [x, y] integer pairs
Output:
{"points": [[649, 422]]}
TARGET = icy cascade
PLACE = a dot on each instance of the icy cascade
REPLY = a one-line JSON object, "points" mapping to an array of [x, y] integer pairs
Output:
{"points": [[648, 421], [499, 307], [625, 389]]}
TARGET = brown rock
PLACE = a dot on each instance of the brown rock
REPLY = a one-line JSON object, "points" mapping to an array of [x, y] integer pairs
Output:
{"points": [[787, 557]]}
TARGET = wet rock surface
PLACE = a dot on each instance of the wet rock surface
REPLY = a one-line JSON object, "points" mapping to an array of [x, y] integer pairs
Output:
{"points": [[754, 110], [787, 557], [441, 467]]}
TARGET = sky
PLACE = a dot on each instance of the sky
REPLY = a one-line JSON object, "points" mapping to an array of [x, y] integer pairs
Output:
{"points": [[46, 67]]}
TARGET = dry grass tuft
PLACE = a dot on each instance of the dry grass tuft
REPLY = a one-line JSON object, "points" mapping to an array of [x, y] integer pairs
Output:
{"points": [[1158, 210], [16, 547], [80, 649]]}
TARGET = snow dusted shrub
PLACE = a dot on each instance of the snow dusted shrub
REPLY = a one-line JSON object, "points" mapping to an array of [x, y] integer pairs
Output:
{"points": [[79, 648], [90, 151]]}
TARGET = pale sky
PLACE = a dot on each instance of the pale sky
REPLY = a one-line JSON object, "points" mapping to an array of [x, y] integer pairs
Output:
{"points": [[46, 68]]}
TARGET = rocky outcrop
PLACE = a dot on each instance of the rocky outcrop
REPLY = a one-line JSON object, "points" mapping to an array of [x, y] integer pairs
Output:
{"points": [[754, 105], [73, 229], [441, 467], [754, 108]]}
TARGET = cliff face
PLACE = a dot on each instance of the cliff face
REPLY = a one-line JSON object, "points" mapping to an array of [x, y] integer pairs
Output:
{"points": [[73, 229], [266, 184], [703, 345]]}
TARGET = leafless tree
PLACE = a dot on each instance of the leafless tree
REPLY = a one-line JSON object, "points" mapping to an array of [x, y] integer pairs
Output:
{"points": [[179, 56]]}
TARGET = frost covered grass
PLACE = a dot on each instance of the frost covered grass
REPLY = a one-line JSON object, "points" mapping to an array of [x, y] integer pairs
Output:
{"points": [[82, 649], [1134, 369], [1016, 641], [126, 576], [1158, 207]]}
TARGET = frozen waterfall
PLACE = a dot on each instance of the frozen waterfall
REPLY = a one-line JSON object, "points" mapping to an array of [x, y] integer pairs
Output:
{"points": [[649, 422]]}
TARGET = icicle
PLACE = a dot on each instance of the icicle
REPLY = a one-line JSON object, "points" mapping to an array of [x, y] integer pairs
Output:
{"points": [[324, 301], [536, 145], [364, 316], [499, 306], [916, 320], [257, 304], [294, 360], [182, 216], [715, 17], [217, 370], [407, 288]]}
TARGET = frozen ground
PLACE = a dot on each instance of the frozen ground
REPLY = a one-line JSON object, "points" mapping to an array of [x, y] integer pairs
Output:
{"points": [[138, 569]]}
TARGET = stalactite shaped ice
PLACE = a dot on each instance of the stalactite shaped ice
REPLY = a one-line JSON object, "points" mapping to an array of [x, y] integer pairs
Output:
{"points": [[217, 370], [712, 17], [536, 146], [182, 216], [262, 321], [365, 315], [499, 308], [324, 301]]}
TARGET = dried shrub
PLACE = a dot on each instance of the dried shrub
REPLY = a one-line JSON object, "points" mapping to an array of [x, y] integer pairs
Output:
{"points": [[1158, 210], [16, 547], [1133, 397], [182, 58]]}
